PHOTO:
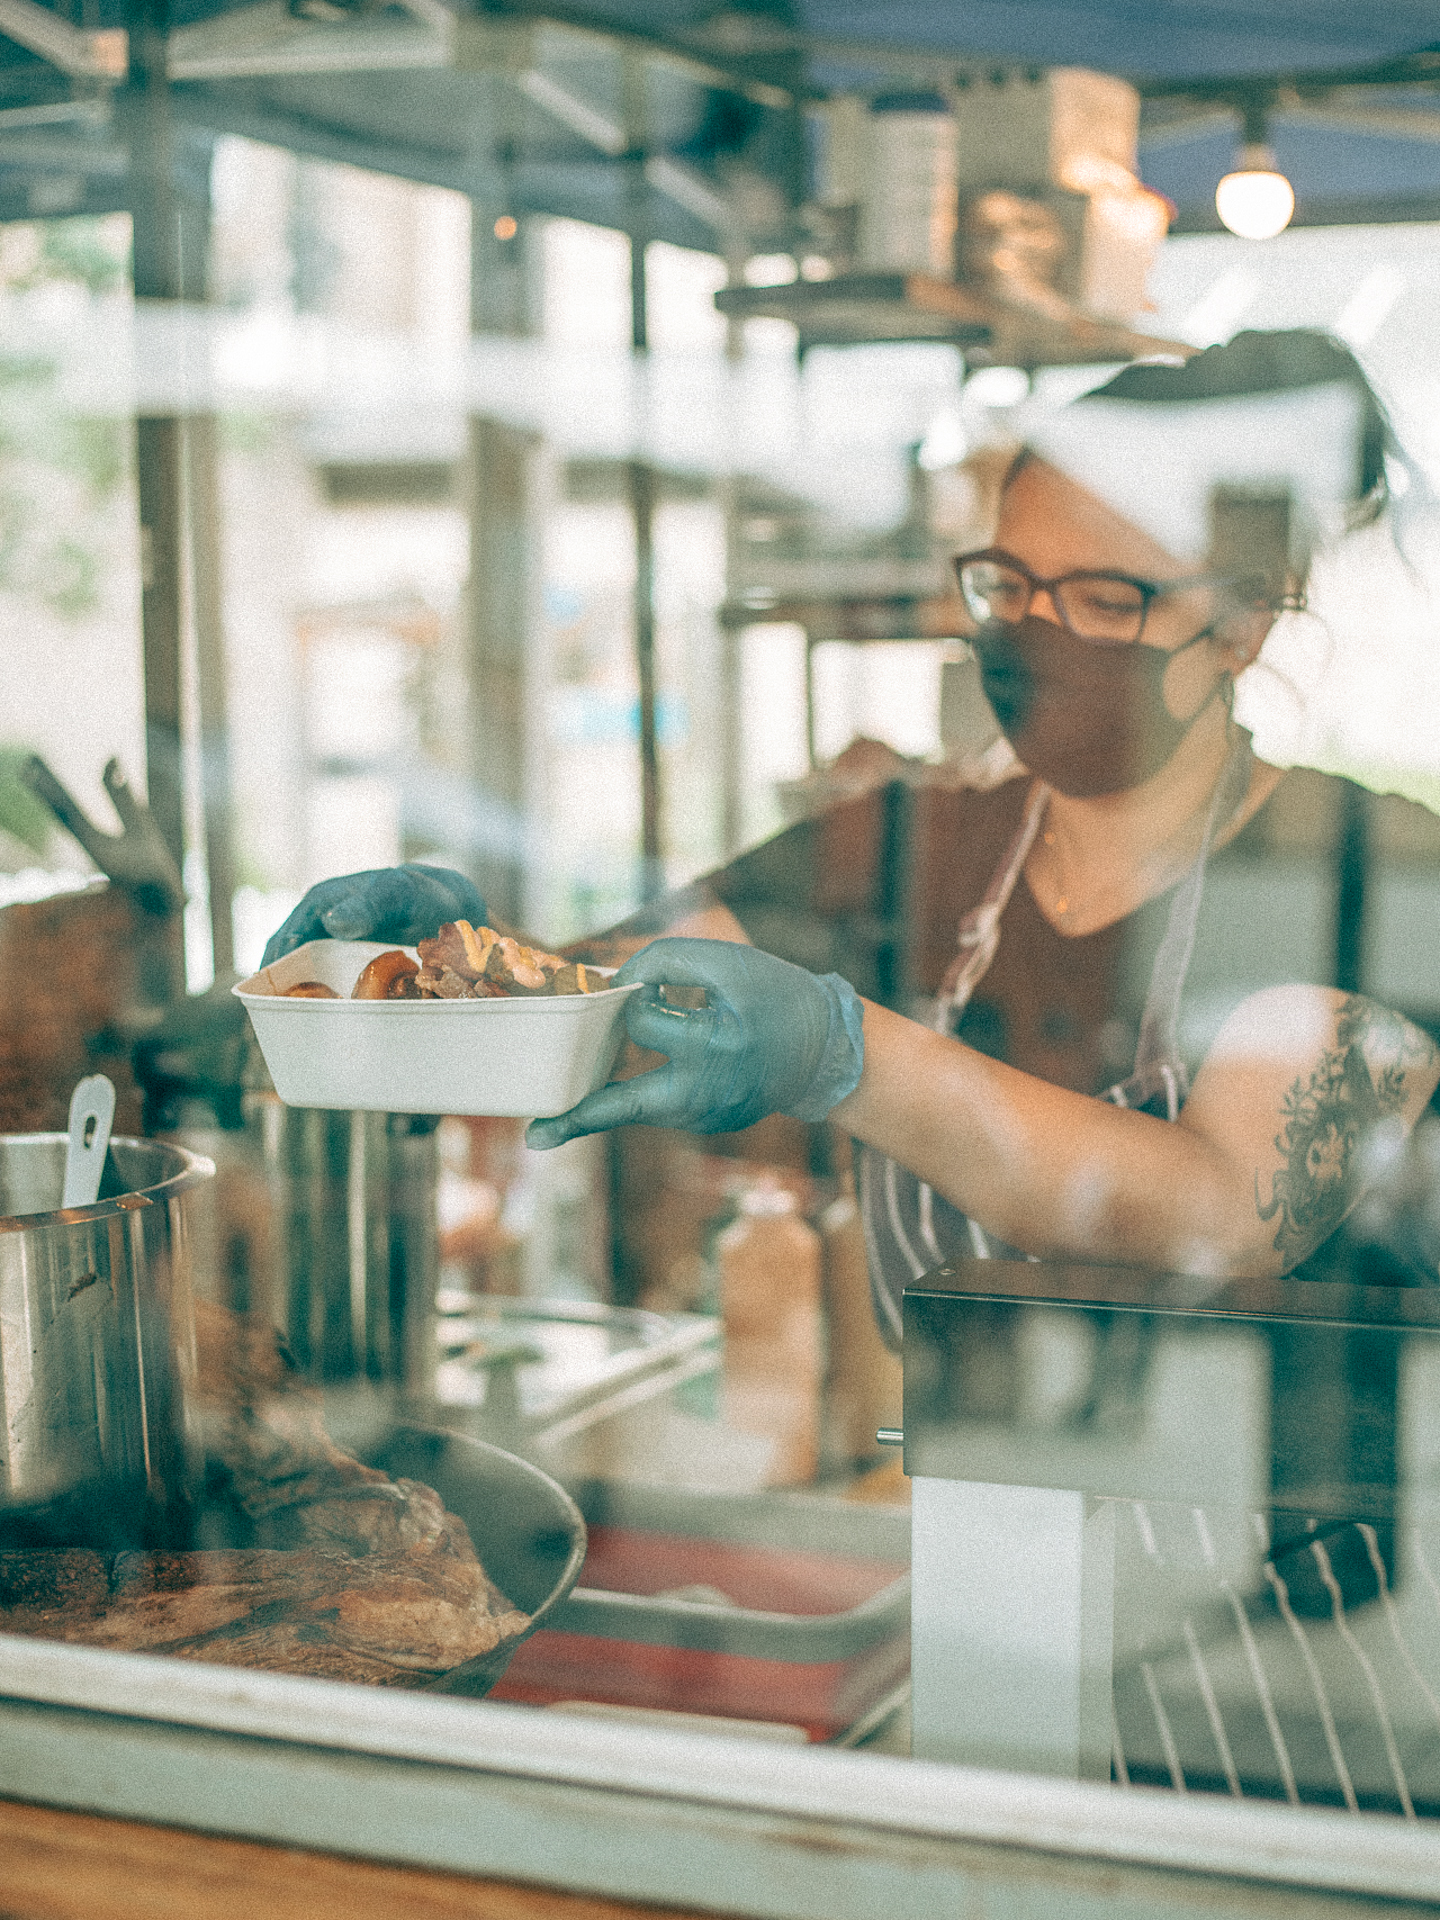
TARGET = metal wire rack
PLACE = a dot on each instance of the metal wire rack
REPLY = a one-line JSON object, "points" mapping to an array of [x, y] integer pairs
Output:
{"points": [[1305, 1671]]}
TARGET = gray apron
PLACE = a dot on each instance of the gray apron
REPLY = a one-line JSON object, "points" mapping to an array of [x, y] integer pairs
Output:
{"points": [[909, 1228]]}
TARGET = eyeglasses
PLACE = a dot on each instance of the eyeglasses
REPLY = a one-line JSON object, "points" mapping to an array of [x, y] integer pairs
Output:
{"points": [[1108, 609]]}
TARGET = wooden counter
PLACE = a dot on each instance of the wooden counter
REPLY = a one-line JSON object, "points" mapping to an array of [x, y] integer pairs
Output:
{"points": [[74, 1866]]}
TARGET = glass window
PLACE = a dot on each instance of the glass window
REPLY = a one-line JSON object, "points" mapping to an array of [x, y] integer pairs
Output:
{"points": [[560, 543]]}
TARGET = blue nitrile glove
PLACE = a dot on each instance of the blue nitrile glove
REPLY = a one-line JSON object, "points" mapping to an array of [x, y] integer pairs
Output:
{"points": [[772, 1039], [403, 904]]}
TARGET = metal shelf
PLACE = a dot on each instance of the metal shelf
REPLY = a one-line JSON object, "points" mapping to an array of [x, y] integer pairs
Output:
{"points": [[855, 308]]}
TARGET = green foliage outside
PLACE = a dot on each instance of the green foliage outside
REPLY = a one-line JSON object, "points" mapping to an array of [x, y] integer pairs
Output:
{"points": [[57, 471], [21, 814]]}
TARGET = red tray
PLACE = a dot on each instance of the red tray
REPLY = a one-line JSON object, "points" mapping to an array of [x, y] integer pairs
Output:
{"points": [[811, 1639]]}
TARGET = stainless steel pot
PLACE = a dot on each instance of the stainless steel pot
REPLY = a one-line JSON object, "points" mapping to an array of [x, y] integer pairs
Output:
{"points": [[351, 1265], [97, 1347]]}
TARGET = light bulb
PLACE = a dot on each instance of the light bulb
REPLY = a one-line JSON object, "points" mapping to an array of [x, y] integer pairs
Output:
{"points": [[998, 386], [1256, 201]]}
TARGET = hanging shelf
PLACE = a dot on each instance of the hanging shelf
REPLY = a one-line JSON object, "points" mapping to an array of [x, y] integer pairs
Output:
{"points": [[854, 308]]}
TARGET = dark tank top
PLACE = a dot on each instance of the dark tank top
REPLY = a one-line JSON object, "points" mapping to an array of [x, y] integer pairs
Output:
{"points": [[1124, 1013]]}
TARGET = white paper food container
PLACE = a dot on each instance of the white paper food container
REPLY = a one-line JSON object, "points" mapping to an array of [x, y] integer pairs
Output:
{"points": [[522, 1057]]}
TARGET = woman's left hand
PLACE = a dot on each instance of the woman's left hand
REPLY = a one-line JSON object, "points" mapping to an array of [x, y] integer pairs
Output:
{"points": [[770, 1038]]}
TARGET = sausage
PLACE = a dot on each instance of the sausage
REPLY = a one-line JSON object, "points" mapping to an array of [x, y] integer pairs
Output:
{"points": [[387, 977]]}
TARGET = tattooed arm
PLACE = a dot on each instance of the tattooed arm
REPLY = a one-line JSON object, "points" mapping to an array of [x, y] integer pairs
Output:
{"points": [[1299, 1095], [1366, 1079]]}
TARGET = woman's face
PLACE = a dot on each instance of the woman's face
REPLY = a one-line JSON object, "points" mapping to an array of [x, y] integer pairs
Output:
{"points": [[1056, 526], [1088, 718]]}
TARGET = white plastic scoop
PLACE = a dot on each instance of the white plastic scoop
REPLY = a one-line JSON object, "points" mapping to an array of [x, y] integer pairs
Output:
{"points": [[92, 1112]]}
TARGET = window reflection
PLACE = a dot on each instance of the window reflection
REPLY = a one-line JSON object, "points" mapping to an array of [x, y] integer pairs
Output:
{"points": [[1184, 1542]]}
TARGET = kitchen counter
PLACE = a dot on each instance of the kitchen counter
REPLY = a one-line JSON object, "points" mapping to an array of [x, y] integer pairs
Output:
{"points": [[74, 1866]]}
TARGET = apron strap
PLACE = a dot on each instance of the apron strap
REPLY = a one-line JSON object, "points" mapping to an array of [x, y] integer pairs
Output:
{"points": [[1157, 1054], [979, 932]]}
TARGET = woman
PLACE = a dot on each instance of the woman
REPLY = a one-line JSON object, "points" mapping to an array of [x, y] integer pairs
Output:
{"points": [[1126, 587]]}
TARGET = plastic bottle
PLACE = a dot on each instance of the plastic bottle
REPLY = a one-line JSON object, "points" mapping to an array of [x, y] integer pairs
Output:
{"points": [[864, 1385], [770, 1301]]}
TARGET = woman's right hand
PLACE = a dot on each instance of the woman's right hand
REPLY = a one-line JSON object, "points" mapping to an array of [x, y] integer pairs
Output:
{"points": [[402, 904]]}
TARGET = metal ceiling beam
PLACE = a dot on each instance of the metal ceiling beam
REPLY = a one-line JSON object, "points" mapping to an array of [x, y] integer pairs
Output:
{"points": [[690, 190], [685, 185], [558, 185], [268, 40], [1420, 68], [36, 154], [603, 133], [695, 62], [1392, 123], [1341, 115], [84, 56], [57, 113]]}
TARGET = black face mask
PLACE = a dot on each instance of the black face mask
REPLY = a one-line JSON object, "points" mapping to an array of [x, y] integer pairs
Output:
{"points": [[1085, 719]]}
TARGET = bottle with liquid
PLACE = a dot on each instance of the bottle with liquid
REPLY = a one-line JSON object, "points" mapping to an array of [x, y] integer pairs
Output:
{"points": [[864, 1388], [770, 1301]]}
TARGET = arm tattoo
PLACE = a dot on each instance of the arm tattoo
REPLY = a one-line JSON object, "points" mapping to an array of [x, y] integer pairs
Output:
{"points": [[1327, 1118]]}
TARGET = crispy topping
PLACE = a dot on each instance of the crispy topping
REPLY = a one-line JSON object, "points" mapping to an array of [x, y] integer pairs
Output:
{"points": [[464, 963], [477, 944], [387, 977]]}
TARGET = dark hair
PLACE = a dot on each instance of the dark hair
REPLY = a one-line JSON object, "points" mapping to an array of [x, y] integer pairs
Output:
{"points": [[1258, 362]]}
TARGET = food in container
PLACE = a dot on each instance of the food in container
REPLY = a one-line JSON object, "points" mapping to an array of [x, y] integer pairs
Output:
{"points": [[462, 963], [491, 1026]]}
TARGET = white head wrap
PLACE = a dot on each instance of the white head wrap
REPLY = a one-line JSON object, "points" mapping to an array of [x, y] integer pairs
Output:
{"points": [[1158, 464]]}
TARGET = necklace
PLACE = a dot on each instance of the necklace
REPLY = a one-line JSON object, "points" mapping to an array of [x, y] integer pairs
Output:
{"points": [[1151, 873], [1062, 901]]}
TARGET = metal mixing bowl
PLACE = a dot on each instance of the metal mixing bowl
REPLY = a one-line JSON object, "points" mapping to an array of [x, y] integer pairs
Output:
{"points": [[525, 1527], [528, 1532], [97, 1347]]}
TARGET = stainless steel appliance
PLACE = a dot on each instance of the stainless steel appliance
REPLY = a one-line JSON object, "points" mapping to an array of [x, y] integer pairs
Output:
{"points": [[1175, 1531], [96, 1346], [346, 1264]]}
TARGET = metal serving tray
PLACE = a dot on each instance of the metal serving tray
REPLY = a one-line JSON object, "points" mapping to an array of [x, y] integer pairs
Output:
{"points": [[761, 1607]]}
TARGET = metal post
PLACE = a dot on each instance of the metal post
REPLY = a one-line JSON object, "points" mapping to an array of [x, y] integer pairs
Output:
{"points": [[207, 604], [1352, 871], [504, 492], [637, 196], [641, 490], [640, 481], [732, 637], [810, 752], [145, 115]]}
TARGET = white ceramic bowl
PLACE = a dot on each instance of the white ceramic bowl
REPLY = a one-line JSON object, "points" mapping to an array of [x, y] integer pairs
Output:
{"points": [[522, 1057]]}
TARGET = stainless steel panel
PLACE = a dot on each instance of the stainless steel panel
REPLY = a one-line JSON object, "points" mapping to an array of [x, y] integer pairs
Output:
{"points": [[97, 1346]]}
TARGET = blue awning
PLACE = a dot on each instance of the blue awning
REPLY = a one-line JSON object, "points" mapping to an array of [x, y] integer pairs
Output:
{"points": [[1354, 100]]}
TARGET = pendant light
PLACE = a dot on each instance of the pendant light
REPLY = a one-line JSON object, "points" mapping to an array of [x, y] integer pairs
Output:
{"points": [[1256, 201]]}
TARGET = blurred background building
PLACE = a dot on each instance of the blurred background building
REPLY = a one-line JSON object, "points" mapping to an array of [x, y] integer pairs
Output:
{"points": [[429, 427]]}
